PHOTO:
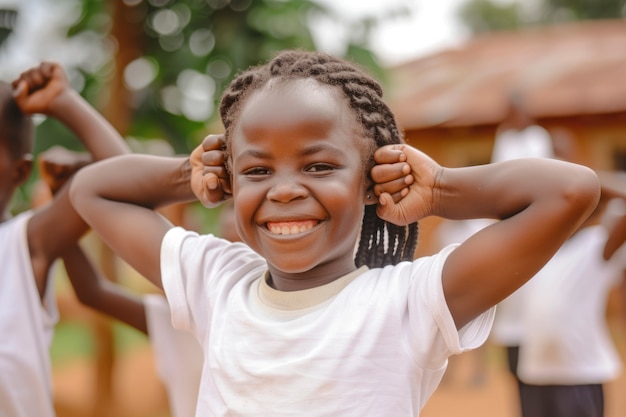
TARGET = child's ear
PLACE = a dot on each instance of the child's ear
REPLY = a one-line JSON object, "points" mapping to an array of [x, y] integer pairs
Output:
{"points": [[369, 197], [22, 169]]}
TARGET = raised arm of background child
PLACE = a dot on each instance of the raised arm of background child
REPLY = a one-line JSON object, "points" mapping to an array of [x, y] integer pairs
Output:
{"points": [[45, 89], [540, 203], [56, 226], [56, 166], [118, 198], [95, 291]]}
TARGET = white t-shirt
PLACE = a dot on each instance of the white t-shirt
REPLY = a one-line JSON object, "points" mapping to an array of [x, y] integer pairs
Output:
{"points": [[178, 357], [531, 142], [26, 327], [566, 340], [372, 343]]}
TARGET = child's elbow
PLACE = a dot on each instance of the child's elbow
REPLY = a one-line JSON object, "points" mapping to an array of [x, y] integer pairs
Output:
{"points": [[583, 190]]}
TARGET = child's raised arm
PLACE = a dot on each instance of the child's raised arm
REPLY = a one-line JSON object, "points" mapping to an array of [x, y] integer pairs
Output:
{"points": [[53, 228], [540, 203], [46, 90], [56, 166], [117, 197]]}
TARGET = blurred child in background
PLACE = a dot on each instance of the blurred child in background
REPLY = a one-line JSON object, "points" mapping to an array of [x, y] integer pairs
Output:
{"points": [[33, 240], [177, 354], [567, 353]]}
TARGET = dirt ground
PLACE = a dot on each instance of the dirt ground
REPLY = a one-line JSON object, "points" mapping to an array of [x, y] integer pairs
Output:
{"points": [[460, 395], [464, 392]]}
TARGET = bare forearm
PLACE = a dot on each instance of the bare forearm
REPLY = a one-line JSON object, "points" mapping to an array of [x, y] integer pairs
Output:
{"points": [[502, 190], [143, 180], [95, 132], [95, 291]]}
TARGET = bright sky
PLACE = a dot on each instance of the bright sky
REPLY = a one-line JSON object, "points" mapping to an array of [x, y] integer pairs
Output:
{"points": [[432, 25]]}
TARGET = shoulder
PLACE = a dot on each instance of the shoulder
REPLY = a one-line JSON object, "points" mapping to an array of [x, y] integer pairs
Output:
{"points": [[183, 240], [423, 271], [20, 220], [186, 250]]}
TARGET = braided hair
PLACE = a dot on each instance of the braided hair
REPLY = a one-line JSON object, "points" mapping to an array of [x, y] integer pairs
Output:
{"points": [[381, 243]]}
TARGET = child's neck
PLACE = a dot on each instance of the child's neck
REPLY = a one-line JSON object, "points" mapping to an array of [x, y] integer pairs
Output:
{"points": [[316, 277]]}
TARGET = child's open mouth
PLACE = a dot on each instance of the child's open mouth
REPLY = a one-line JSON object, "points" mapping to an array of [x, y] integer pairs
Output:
{"points": [[291, 227]]}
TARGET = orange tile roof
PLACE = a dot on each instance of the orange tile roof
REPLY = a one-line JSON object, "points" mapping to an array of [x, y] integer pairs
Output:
{"points": [[560, 70]]}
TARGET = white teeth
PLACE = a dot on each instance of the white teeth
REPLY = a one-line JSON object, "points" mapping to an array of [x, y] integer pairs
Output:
{"points": [[290, 228]]}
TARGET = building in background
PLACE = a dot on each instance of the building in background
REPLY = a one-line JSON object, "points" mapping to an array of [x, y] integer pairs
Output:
{"points": [[571, 77]]}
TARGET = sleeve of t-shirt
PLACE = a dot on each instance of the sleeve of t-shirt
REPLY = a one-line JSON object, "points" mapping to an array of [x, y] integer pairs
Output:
{"points": [[198, 269], [438, 327], [185, 291]]}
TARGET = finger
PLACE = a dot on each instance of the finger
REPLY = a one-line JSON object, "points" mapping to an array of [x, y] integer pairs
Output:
{"points": [[387, 207], [219, 171], [395, 186], [212, 195], [213, 142], [396, 197], [47, 69], [20, 89], [211, 181], [213, 158], [34, 78], [389, 172], [390, 154], [208, 198]]}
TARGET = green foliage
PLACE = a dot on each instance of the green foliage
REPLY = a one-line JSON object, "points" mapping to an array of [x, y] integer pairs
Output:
{"points": [[491, 15], [187, 51], [583, 9], [7, 23], [190, 49], [486, 16]]}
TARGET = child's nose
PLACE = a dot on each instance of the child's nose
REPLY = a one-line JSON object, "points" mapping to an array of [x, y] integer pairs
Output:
{"points": [[286, 189]]}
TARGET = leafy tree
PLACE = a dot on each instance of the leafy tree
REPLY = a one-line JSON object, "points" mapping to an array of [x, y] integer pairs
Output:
{"points": [[167, 61], [174, 57], [491, 15], [7, 22], [555, 10], [487, 16]]}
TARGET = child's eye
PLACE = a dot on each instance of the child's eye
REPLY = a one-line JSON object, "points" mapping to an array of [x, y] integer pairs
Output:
{"points": [[320, 168], [256, 171]]}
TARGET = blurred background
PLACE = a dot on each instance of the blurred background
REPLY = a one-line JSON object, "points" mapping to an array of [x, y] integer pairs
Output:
{"points": [[156, 69]]}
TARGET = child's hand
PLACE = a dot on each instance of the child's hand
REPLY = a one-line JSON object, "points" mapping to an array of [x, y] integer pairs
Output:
{"points": [[57, 165], [209, 179], [405, 183], [36, 89]]}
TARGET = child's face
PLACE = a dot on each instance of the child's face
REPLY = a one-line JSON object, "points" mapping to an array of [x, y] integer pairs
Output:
{"points": [[298, 178]]}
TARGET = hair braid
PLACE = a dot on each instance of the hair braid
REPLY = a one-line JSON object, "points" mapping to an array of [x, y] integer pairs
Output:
{"points": [[381, 243]]}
